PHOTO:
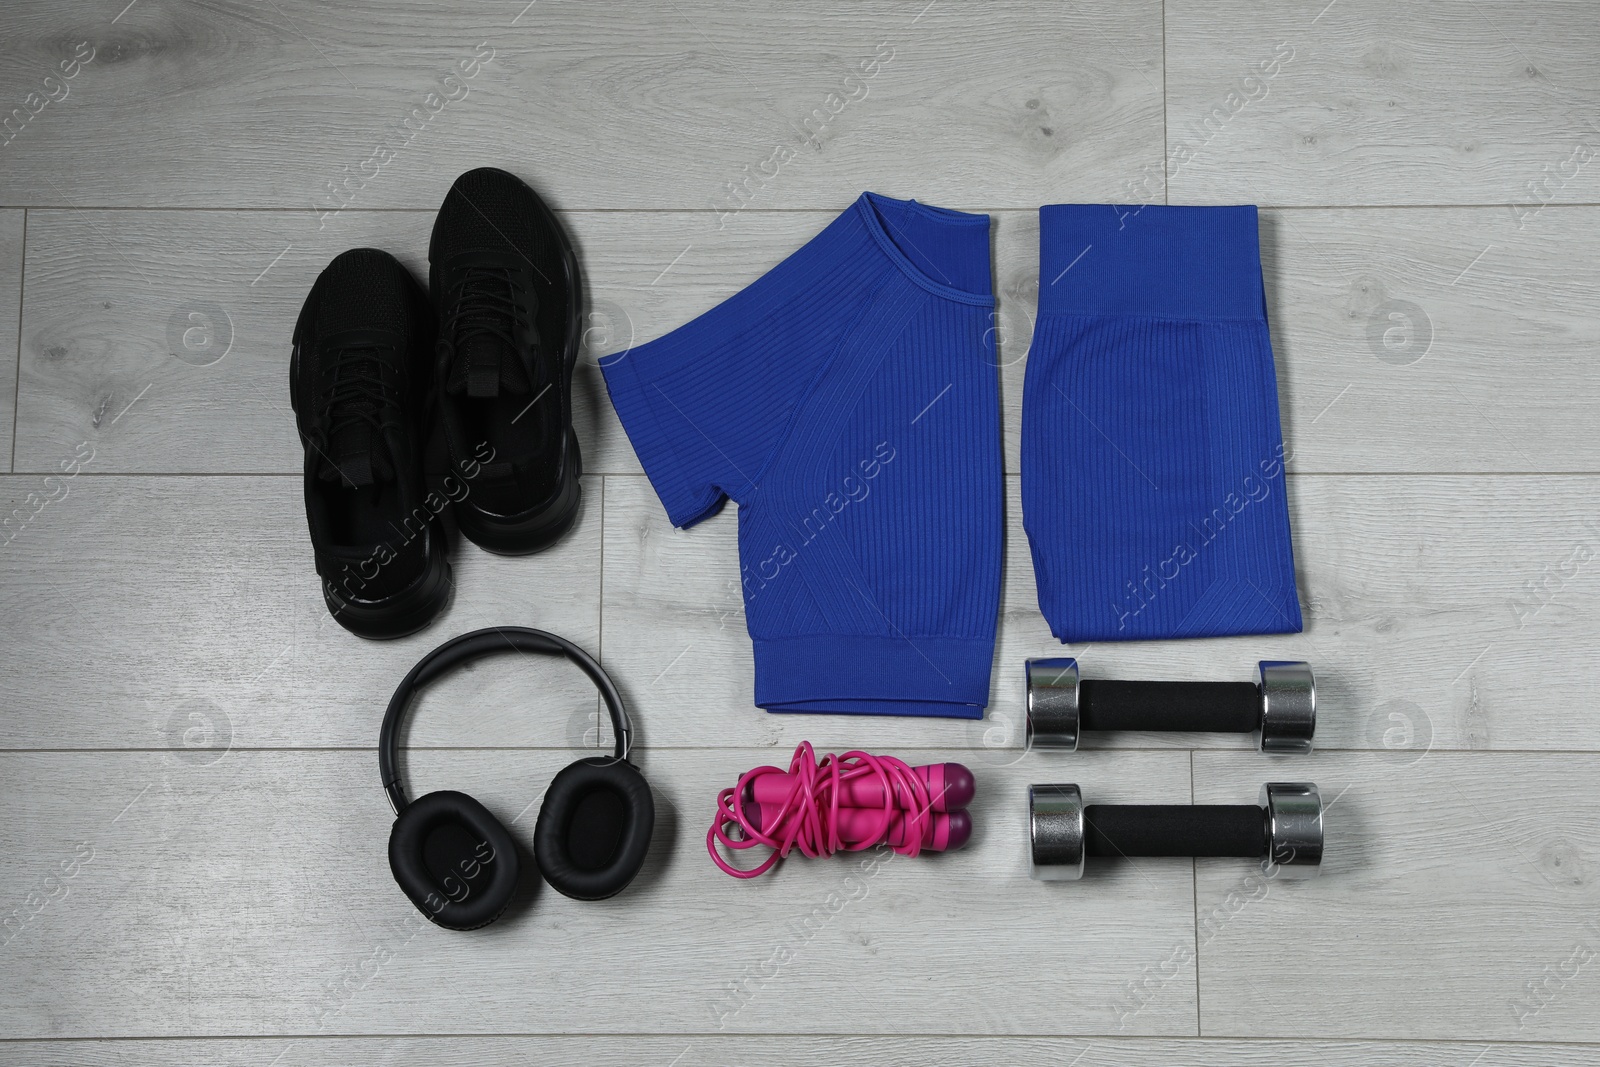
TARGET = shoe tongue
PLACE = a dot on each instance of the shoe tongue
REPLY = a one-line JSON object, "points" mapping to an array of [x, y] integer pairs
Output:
{"points": [[485, 366], [357, 456]]}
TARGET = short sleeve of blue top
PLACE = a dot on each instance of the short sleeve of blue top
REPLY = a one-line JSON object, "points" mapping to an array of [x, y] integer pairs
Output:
{"points": [[848, 402]]}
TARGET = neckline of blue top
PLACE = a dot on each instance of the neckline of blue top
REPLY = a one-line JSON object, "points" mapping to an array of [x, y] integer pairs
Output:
{"points": [[869, 204]]}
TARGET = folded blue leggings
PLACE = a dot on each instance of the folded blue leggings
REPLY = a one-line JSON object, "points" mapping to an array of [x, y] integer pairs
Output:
{"points": [[1152, 456]]}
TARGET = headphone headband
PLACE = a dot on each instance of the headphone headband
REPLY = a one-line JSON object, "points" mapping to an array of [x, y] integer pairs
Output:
{"points": [[476, 645]]}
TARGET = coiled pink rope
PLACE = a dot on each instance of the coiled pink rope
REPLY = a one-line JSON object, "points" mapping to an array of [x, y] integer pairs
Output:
{"points": [[808, 818]]}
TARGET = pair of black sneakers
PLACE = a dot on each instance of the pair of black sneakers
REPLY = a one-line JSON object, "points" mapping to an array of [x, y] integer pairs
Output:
{"points": [[411, 405]]}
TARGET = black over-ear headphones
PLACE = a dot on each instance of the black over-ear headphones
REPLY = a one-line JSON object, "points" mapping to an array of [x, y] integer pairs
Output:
{"points": [[454, 859]]}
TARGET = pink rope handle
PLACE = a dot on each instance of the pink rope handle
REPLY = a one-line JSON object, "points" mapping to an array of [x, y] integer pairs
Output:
{"points": [[808, 818]]}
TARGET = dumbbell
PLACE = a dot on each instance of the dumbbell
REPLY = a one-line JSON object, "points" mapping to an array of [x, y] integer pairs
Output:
{"points": [[1284, 831], [1281, 705]]}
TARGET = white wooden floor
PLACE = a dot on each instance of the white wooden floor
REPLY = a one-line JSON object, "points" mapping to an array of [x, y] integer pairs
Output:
{"points": [[192, 836]]}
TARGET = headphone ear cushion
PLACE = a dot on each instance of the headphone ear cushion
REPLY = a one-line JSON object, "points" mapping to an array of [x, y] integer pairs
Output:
{"points": [[594, 828], [454, 860]]}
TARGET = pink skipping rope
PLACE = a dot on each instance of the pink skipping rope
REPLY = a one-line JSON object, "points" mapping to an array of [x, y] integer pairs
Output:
{"points": [[850, 802]]}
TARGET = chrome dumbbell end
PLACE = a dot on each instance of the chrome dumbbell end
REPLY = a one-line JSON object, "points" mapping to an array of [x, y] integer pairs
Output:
{"points": [[1055, 833], [1288, 706], [1294, 830], [1053, 703]]}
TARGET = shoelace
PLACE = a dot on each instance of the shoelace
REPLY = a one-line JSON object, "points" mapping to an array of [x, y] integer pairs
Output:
{"points": [[487, 301], [361, 387], [808, 819]]}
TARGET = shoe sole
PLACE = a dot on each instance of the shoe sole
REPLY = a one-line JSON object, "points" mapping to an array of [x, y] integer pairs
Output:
{"points": [[403, 614], [524, 536]]}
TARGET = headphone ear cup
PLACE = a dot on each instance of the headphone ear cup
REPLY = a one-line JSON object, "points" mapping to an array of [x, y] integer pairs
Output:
{"points": [[594, 828], [454, 860]]}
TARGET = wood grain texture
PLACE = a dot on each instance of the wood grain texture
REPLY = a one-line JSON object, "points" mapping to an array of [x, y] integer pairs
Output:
{"points": [[181, 710], [11, 239], [1407, 340], [1428, 339], [606, 105], [1458, 897], [193, 312], [704, 1050], [1466, 625], [252, 896], [164, 338], [1381, 103], [186, 613]]}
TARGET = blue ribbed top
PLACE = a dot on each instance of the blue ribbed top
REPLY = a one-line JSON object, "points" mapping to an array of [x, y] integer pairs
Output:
{"points": [[848, 402]]}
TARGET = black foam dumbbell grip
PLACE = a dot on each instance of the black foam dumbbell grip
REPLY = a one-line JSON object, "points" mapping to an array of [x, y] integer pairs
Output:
{"points": [[1175, 830], [1209, 707]]}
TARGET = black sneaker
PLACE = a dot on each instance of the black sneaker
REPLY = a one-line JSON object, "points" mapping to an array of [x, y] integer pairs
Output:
{"points": [[358, 381], [505, 288]]}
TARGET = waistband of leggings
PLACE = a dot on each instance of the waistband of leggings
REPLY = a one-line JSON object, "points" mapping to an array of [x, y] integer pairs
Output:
{"points": [[1151, 260]]}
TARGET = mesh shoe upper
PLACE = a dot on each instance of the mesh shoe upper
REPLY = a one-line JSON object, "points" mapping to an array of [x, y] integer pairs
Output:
{"points": [[502, 294], [362, 352]]}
